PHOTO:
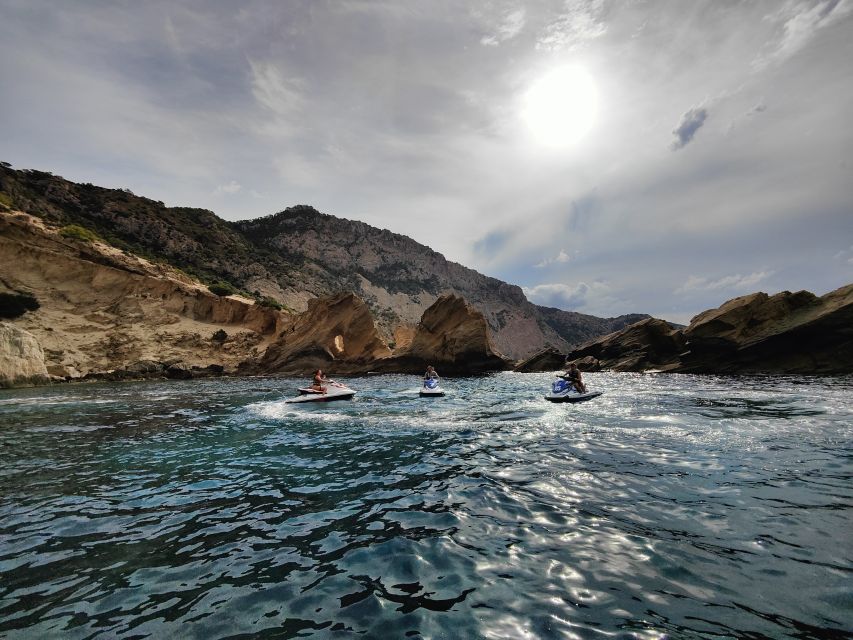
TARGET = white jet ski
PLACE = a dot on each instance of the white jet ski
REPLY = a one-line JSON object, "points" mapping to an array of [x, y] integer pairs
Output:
{"points": [[334, 391], [431, 389], [564, 391]]}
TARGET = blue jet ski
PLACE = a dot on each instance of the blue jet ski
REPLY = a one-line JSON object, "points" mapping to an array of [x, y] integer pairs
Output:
{"points": [[431, 389], [564, 391]]}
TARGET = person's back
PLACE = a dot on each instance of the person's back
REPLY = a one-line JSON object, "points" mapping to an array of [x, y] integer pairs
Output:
{"points": [[574, 376]]}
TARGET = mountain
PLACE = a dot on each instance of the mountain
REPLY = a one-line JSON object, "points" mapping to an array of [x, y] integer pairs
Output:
{"points": [[299, 254]]}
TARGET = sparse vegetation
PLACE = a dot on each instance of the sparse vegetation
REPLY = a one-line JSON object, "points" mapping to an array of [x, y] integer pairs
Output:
{"points": [[222, 288], [266, 301], [219, 336], [5, 200], [76, 232], [15, 304]]}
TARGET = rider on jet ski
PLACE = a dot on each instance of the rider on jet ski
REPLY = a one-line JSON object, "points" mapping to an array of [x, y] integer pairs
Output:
{"points": [[431, 373], [573, 375]]}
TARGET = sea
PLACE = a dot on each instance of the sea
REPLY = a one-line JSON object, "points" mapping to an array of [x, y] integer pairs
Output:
{"points": [[672, 506]]}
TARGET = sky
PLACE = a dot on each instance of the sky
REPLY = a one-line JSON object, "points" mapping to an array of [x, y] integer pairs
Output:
{"points": [[609, 156]]}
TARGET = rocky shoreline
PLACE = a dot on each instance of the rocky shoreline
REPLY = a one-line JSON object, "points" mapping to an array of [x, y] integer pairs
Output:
{"points": [[787, 333], [83, 310]]}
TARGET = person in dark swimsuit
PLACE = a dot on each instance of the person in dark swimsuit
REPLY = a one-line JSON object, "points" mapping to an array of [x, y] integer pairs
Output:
{"points": [[573, 375], [319, 379], [430, 373]]}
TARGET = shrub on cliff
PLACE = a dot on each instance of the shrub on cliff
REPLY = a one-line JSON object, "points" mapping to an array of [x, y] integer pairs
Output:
{"points": [[266, 301], [14, 305], [5, 201], [222, 289], [76, 232]]}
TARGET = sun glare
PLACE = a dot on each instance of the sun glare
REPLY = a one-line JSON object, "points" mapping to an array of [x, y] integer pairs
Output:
{"points": [[560, 107]]}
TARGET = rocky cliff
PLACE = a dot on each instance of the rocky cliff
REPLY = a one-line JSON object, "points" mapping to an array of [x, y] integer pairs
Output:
{"points": [[101, 309], [299, 254], [784, 333], [453, 337]]}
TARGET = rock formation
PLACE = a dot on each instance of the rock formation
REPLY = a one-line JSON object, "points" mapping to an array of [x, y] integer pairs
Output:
{"points": [[549, 359], [453, 337], [785, 333], [336, 334], [648, 344], [21, 358], [101, 310]]}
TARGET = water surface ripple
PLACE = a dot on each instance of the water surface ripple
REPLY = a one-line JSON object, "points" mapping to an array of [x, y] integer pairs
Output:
{"points": [[678, 506]]}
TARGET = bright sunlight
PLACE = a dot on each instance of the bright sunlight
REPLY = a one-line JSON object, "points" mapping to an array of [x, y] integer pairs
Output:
{"points": [[560, 107]]}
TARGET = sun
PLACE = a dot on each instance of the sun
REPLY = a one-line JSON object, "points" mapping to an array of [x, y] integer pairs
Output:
{"points": [[560, 107]]}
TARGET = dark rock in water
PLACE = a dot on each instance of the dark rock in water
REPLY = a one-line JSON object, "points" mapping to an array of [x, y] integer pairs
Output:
{"points": [[549, 359], [453, 337], [785, 333], [145, 367], [789, 333], [179, 371], [648, 344], [588, 363]]}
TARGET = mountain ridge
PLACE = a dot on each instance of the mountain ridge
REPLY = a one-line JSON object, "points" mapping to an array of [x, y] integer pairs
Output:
{"points": [[300, 253]]}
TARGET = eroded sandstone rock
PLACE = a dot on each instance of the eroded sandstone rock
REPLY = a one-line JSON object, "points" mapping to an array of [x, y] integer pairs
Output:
{"points": [[787, 333], [453, 337], [336, 334], [21, 358]]}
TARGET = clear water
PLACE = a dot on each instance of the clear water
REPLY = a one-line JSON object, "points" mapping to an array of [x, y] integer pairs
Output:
{"points": [[678, 506]]}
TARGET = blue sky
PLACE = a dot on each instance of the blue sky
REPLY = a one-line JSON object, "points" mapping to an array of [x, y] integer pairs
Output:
{"points": [[709, 151]]}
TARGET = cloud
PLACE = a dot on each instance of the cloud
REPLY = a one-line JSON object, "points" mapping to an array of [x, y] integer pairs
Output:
{"points": [[229, 188], [800, 23], [690, 123], [735, 282], [579, 22], [845, 255], [563, 296], [509, 27], [279, 94], [561, 257]]}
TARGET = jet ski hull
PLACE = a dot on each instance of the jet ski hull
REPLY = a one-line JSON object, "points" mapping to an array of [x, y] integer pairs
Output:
{"points": [[316, 396], [572, 397], [431, 393]]}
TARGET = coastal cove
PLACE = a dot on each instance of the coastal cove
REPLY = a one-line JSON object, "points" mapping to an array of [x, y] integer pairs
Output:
{"points": [[680, 505]]}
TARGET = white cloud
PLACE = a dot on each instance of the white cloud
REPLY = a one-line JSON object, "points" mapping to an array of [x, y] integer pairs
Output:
{"points": [[229, 188], [509, 27], [800, 20], [845, 255], [561, 257], [595, 297], [279, 94], [579, 22], [735, 282]]}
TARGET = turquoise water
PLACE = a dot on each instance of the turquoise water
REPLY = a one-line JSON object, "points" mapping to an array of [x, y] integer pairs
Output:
{"points": [[678, 506]]}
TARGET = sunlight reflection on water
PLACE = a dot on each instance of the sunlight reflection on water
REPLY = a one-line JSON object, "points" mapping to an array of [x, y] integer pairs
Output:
{"points": [[678, 505]]}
